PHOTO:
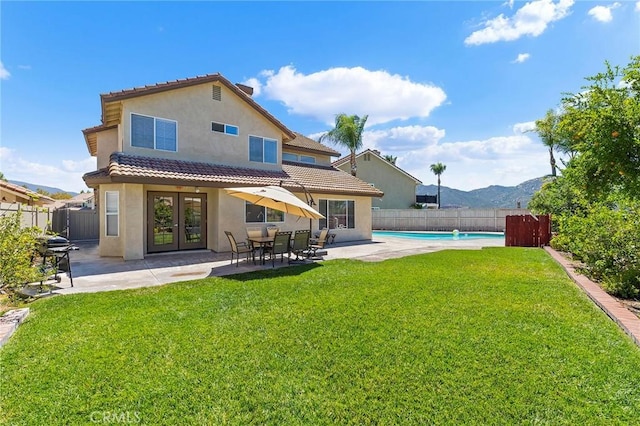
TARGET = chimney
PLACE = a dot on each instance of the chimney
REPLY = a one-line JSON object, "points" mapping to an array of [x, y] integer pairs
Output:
{"points": [[246, 89]]}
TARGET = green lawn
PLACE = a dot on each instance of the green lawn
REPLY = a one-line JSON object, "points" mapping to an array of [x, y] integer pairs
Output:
{"points": [[498, 336]]}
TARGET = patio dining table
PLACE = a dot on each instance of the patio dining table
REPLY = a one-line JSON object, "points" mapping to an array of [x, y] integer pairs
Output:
{"points": [[262, 242]]}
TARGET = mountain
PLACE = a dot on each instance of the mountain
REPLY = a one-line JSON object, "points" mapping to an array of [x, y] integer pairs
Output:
{"points": [[494, 196], [34, 187]]}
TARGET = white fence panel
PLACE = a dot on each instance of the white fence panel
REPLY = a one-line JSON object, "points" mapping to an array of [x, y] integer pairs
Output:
{"points": [[489, 220]]}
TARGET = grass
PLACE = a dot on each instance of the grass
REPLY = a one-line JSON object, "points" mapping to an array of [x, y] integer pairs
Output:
{"points": [[498, 336]]}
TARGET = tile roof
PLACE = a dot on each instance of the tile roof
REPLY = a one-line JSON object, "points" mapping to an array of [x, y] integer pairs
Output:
{"points": [[24, 191], [309, 144], [131, 168]]}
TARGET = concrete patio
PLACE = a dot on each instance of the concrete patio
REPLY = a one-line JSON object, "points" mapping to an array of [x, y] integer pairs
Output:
{"points": [[92, 273]]}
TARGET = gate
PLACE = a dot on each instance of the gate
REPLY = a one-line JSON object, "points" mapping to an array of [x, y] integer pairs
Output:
{"points": [[76, 225], [527, 231]]}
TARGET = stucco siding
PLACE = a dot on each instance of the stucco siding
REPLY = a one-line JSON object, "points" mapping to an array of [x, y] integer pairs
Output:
{"points": [[193, 108], [107, 144]]}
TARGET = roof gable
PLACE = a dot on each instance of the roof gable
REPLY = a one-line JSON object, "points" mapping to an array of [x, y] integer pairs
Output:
{"points": [[112, 106], [346, 159]]}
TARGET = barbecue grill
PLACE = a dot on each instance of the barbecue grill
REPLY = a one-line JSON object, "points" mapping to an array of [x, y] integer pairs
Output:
{"points": [[55, 254]]}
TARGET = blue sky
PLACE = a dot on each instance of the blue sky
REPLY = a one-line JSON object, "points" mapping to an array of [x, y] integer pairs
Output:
{"points": [[455, 82]]}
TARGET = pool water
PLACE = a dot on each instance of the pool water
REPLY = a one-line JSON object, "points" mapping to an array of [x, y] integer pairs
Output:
{"points": [[438, 235]]}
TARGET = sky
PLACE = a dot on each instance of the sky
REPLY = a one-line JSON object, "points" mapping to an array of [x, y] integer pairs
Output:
{"points": [[456, 82]]}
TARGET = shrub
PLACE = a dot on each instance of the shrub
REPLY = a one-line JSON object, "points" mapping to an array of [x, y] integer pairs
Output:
{"points": [[607, 240], [17, 246]]}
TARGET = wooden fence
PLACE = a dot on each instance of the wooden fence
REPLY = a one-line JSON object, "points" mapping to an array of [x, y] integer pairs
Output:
{"points": [[76, 225], [31, 215], [527, 231], [466, 220]]}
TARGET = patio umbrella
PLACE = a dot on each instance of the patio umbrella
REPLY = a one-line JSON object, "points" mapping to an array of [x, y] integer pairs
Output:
{"points": [[277, 198]]}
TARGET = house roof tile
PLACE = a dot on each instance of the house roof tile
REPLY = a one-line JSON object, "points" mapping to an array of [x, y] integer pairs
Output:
{"points": [[21, 190], [309, 144], [131, 168]]}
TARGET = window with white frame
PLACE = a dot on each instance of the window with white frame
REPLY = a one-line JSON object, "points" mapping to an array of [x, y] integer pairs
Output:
{"points": [[259, 214], [339, 214], [224, 128], [287, 156], [263, 150], [154, 133], [112, 213]]}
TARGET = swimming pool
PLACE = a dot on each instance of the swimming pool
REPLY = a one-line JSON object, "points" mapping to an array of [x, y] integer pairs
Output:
{"points": [[419, 235]]}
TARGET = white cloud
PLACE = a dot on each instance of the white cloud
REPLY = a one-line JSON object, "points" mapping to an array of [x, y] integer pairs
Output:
{"points": [[531, 19], [521, 58], [524, 127], [401, 139], [638, 6], [255, 84], [4, 74], [603, 13], [383, 96], [471, 164], [67, 176]]}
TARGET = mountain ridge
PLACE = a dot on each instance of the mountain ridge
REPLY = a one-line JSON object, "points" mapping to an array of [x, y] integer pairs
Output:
{"points": [[493, 196], [35, 187]]}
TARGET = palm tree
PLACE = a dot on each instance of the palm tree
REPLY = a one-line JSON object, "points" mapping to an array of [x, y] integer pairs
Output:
{"points": [[348, 133], [438, 169], [390, 158], [547, 130]]}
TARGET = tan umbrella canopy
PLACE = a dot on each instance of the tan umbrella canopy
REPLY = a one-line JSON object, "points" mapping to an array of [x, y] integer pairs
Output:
{"points": [[277, 198]]}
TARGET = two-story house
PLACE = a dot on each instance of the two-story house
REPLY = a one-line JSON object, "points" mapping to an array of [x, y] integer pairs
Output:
{"points": [[166, 152], [399, 187]]}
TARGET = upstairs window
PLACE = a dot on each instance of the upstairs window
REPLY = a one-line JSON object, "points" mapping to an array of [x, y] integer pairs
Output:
{"points": [[224, 128], [287, 156], [263, 150], [154, 133]]}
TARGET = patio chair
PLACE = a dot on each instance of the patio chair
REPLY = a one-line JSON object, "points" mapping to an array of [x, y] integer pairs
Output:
{"points": [[254, 231], [272, 230], [238, 248], [319, 243], [281, 245], [300, 244]]}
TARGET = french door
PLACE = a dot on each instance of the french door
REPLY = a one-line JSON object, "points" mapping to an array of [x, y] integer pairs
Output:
{"points": [[176, 221]]}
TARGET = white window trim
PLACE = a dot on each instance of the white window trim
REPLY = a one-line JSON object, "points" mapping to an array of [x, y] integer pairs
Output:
{"points": [[264, 139], [107, 213], [284, 215], [298, 158], [154, 131], [340, 199], [225, 129]]}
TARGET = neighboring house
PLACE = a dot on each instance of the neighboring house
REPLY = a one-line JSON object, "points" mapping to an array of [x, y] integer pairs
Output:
{"points": [[399, 187], [165, 152], [10, 193], [84, 201]]}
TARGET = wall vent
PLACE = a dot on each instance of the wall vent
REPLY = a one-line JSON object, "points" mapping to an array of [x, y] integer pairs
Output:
{"points": [[216, 93]]}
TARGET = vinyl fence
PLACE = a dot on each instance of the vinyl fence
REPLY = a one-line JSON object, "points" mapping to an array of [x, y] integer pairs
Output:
{"points": [[76, 225], [466, 220], [31, 215]]}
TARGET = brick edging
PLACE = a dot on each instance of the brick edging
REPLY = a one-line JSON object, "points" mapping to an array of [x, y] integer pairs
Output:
{"points": [[626, 319]]}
